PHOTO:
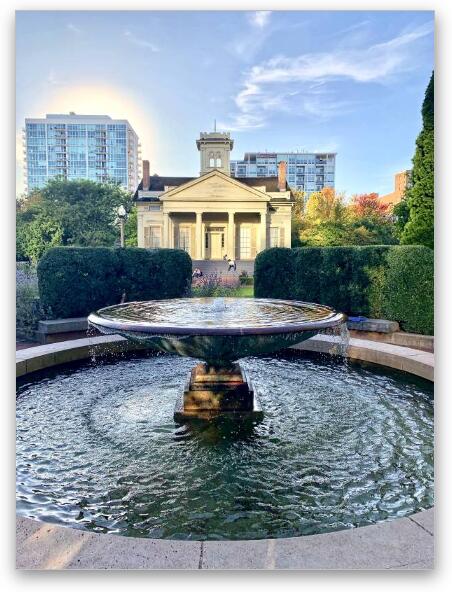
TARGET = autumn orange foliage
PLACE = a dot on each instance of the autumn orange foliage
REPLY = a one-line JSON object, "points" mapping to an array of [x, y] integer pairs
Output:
{"points": [[368, 205]]}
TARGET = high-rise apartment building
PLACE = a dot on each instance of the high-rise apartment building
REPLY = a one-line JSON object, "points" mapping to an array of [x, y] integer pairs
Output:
{"points": [[94, 147], [306, 172]]}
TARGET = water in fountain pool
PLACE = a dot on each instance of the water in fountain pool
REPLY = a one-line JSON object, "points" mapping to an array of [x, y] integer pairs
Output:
{"points": [[339, 446]]}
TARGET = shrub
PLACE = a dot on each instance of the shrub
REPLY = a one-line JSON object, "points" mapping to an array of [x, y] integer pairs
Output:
{"points": [[409, 289], [245, 279], [274, 275], [215, 285], [369, 280], [335, 276], [28, 309], [74, 281]]}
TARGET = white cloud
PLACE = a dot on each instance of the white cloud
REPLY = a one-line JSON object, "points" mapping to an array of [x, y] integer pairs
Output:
{"points": [[73, 28], [248, 43], [300, 84], [260, 18], [53, 80], [140, 42]]}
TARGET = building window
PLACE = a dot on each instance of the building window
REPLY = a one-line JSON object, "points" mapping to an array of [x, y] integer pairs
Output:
{"points": [[152, 237], [184, 239], [245, 243], [274, 236]]}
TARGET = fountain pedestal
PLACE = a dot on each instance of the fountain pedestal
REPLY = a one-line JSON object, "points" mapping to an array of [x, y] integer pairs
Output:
{"points": [[217, 390]]}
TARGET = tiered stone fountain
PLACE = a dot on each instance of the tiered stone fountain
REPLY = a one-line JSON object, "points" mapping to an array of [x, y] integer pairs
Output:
{"points": [[219, 331]]}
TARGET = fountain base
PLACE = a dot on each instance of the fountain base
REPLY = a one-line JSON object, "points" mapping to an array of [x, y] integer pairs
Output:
{"points": [[212, 391]]}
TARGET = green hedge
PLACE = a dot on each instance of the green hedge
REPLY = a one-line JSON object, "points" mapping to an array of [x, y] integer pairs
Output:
{"points": [[74, 281], [390, 281], [409, 288]]}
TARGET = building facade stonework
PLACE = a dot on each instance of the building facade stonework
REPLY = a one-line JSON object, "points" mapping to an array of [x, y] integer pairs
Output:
{"points": [[214, 215], [402, 181]]}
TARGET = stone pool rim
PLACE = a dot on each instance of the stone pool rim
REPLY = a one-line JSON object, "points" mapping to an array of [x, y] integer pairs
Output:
{"points": [[402, 543]]}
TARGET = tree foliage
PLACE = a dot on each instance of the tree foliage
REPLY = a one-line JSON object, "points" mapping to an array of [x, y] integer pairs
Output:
{"points": [[131, 228], [325, 206], [328, 221], [419, 228], [367, 205], [69, 213]]}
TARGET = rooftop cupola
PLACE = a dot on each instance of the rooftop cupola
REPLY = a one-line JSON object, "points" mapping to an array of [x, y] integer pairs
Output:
{"points": [[215, 148]]}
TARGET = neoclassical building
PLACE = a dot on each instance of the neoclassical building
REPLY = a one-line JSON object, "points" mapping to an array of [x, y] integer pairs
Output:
{"points": [[214, 215]]}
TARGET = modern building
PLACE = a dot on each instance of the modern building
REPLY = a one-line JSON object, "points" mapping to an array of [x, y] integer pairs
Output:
{"points": [[401, 183], [94, 147], [214, 215], [306, 172]]}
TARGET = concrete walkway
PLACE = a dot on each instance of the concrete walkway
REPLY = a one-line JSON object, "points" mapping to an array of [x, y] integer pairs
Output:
{"points": [[405, 543]]}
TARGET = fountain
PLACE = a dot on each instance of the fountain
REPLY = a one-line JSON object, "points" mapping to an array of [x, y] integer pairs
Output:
{"points": [[219, 331]]}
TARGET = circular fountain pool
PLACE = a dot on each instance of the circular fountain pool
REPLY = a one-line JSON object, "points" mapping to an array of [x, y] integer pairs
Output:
{"points": [[339, 446]]}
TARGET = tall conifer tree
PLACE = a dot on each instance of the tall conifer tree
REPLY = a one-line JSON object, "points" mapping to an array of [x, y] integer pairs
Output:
{"points": [[419, 228]]}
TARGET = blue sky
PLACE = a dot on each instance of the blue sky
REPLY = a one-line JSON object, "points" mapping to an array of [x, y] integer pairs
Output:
{"points": [[351, 82]]}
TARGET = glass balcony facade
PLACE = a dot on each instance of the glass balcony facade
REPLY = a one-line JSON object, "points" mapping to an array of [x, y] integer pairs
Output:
{"points": [[306, 172], [98, 151]]}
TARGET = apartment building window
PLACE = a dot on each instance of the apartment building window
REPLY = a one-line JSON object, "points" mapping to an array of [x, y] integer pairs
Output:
{"points": [[152, 237], [274, 236]]}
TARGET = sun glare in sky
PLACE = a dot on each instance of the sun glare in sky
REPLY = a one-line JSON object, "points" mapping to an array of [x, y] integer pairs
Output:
{"points": [[96, 100]]}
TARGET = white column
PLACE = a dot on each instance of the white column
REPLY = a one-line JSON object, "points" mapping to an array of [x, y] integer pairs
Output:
{"points": [[198, 234], [263, 231], [231, 235], [165, 241], [140, 230]]}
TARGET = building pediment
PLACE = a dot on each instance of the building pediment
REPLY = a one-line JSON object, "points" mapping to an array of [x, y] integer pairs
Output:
{"points": [[214, 186]]}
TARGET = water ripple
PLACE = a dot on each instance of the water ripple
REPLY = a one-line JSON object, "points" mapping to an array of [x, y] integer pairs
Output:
{"points": [[339, 446]]}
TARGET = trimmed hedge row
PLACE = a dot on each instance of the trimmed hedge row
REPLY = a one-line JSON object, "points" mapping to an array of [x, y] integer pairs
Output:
{"points": [[74, 281], [389, 281]]}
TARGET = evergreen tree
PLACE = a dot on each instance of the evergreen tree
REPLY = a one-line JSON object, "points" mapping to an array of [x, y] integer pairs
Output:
{"points": [[420, 197]]}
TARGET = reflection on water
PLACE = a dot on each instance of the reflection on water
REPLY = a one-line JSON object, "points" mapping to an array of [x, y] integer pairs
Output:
{"points": [[217, 312], [339, 446]]}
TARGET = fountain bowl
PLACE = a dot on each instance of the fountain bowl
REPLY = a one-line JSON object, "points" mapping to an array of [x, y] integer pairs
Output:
{"points": [[216, 329]]}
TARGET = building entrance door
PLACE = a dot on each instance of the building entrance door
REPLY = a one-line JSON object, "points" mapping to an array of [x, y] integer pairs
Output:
{"points": [[215, 243]]}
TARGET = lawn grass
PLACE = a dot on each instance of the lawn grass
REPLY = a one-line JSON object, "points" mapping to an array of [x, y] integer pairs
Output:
{"points": [[245, 292]]}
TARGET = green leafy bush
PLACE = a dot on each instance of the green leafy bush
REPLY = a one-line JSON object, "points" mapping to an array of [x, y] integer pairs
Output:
{"points": [[74, 281], [354, 280], [274, 275], [28, 311], [245, 279], [409, 288]]}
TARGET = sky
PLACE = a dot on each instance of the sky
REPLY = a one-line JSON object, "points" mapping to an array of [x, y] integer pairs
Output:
{"points": [[351, 82]]}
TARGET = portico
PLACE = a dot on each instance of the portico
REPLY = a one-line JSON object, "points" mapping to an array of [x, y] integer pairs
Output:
{"points": [[213, 235], [213, 215]]}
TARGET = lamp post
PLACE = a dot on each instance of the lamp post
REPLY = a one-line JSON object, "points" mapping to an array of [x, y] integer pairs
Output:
{"points": [[122, 215]]}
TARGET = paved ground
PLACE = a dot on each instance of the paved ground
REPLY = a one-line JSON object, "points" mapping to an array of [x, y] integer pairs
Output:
{"points": [[405, 543], [222, 266], [25, 344]]}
